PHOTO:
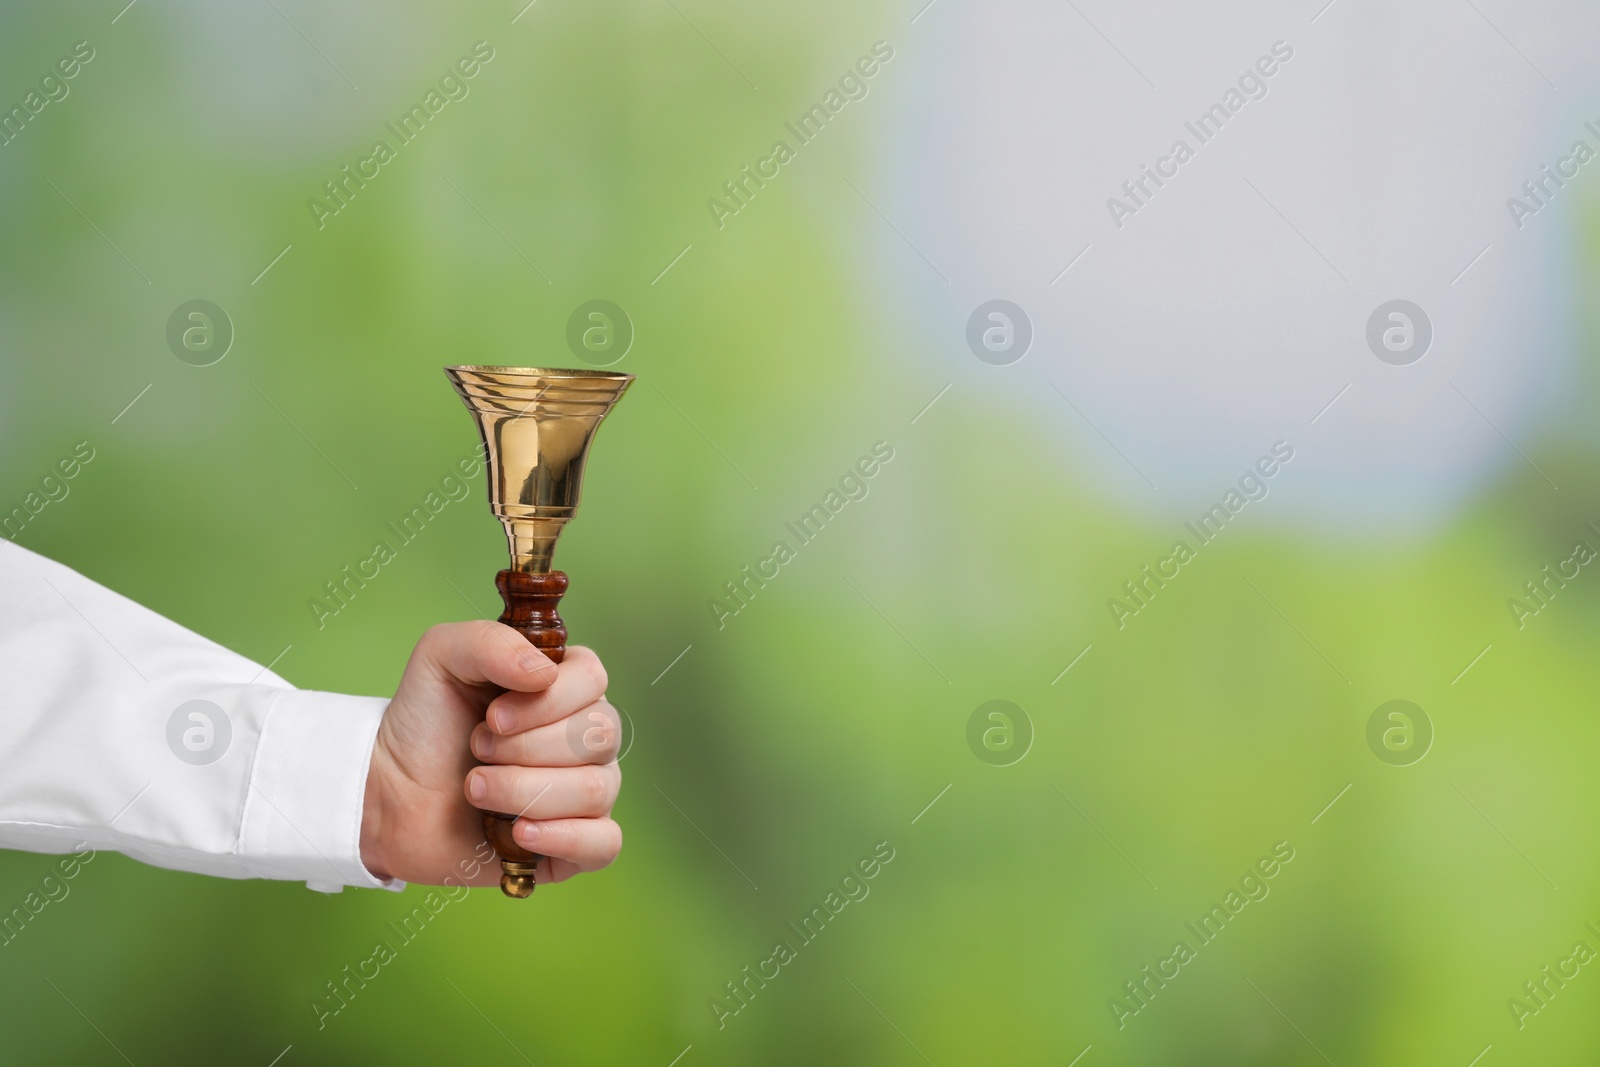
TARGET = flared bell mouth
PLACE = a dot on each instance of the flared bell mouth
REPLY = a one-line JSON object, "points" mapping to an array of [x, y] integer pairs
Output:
{"points": [[538, 392], [537, 372]]}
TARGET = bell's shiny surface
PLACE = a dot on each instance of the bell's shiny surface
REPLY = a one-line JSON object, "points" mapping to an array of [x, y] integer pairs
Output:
{"points": [[537, 425]]}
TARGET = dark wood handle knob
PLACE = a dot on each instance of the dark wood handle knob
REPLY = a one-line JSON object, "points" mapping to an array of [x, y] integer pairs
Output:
{"points": [[517, 864], [530, 601]]}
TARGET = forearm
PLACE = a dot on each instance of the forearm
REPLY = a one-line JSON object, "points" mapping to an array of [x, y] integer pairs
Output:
{"points": [[123, 731]]}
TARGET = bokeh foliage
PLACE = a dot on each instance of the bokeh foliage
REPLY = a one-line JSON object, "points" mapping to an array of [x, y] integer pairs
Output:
{"points": [[782, 747]]}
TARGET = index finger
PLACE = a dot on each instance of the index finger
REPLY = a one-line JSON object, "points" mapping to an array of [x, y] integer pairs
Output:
{"points": [[580, 681]]}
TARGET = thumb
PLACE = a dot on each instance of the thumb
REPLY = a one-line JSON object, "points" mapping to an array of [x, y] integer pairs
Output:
{"points": [[483, 652]]}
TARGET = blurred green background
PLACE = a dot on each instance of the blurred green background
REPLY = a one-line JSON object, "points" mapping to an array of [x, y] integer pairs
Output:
{"points": [[782, 748]]}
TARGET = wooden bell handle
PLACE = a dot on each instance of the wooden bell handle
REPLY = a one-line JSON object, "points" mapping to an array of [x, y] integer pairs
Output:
{"points": [[530, 601]]}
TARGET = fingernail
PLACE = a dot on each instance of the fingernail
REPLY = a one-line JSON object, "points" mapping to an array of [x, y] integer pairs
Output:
{"points": [[479, 743], [531, 661], [477, 786], [526, 832], [500, 720]]}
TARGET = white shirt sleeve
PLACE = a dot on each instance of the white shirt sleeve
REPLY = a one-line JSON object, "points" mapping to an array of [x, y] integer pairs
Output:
{"points": [[121, 730]]}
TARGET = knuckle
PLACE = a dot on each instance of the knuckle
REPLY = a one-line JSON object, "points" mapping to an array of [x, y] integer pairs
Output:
{"points": [[484, 630], [611, 845], [604, 735], [507, 789], [593, 734], [596, 671], [596, 786], [509, 751], [524, 790], [517, 704], [520, 748]]}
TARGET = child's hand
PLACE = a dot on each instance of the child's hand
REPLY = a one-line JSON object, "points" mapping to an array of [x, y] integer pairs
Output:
{"points": [[549, 745]]}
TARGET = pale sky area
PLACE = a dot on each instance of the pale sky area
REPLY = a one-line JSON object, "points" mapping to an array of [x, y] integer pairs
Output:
{"points": [[1230, 308]]}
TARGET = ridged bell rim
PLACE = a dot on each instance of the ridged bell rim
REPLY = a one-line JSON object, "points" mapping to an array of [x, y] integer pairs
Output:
{"points": [[523, 390]]}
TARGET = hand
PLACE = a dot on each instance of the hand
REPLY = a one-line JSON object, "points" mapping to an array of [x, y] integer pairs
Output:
{"points": [[549, 743]]}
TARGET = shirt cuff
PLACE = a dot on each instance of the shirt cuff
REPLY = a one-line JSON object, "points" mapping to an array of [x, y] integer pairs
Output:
{"points": [[302, 817]]}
